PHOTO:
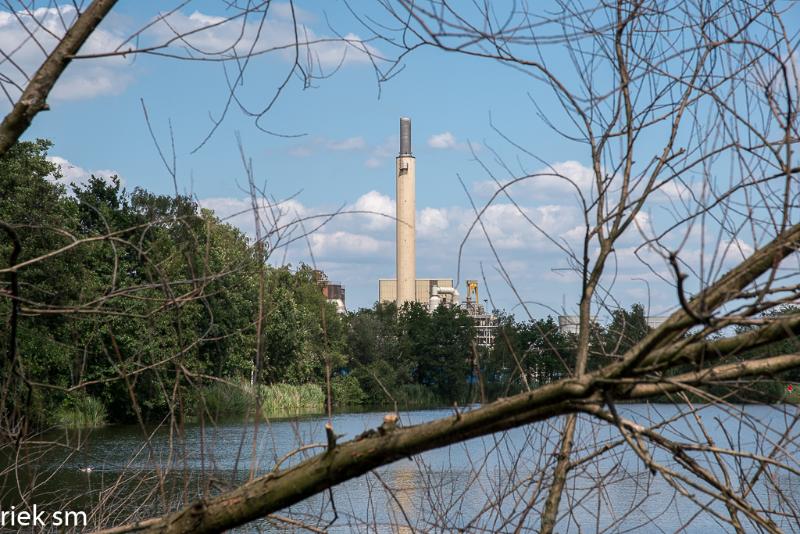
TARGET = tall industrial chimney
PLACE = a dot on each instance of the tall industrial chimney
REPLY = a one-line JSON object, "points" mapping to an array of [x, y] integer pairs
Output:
{"points": [[406, 214]]}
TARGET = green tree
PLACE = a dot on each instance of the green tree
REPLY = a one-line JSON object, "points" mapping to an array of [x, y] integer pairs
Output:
{"points": [[40, 218], [537, 349], [152, 289], [439, 347], [627, 327], [373, 352]]}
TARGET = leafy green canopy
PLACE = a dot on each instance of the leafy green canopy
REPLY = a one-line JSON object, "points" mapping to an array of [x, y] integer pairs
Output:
{"points": [[143, 301], [137, 298]]}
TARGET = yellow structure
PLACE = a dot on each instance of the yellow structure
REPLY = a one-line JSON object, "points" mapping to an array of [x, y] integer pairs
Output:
{"points": [[472, 289]]}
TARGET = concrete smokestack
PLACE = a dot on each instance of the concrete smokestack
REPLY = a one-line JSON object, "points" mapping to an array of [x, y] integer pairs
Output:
{"points": [[405, 173]]}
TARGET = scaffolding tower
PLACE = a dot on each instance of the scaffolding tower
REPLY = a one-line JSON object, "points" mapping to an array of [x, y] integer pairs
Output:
{"points": [[485, 323]]}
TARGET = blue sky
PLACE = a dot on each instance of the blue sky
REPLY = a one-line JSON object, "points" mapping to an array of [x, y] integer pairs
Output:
{"points": [[345, 155]]}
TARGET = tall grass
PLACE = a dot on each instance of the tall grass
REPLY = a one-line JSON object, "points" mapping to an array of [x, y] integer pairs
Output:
{"points": [[415, 396], [222, 399], [80, 411], [286, 399], [277, 400]]}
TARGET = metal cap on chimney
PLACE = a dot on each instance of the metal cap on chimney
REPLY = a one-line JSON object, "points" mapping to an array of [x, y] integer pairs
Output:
{"points": [[405, 136]]}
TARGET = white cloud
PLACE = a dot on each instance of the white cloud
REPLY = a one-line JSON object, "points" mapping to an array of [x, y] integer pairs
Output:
{"points": [[575, 234], [285, 10], [674, 190], [348, 144], [568, 175], [432, 221], [561, 181], [509, 227], [93, 81], [239, 212], [448, 141], [351, 143], [235, 211], [222, 36], [301, 151], [27, 37], [75, 175], [734, 250], [344, 238], [334, 51], [340, 244], [381, 207], [380, 154], [83, 78], [373, 162], [443, 140]]}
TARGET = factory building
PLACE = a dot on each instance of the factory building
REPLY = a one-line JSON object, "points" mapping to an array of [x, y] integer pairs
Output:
{"points": [[570, 324], [433, 292], [332, 291], [423, 289]]}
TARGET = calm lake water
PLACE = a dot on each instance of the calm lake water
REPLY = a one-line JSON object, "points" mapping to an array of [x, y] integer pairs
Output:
{"points": [[491, 484]]}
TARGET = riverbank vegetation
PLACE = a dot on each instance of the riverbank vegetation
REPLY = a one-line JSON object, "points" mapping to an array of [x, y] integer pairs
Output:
{"points": [[80, 411], [177, 292]]}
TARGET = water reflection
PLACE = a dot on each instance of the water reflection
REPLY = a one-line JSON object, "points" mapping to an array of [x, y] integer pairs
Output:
{"points": [[402, 494], [496, 483]]}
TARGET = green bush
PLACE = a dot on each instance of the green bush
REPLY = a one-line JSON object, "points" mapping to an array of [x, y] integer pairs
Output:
{"points": [[80, 411], [416, 395], [222, 399], [347, 391], [279, 400]]}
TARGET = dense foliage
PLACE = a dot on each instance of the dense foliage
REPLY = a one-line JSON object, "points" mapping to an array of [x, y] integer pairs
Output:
{"points": [[145, 302], [136, 304]]}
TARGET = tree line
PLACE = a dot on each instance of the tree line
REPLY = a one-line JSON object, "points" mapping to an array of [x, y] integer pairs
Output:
{"points": [[150, 291], [141, 302]]}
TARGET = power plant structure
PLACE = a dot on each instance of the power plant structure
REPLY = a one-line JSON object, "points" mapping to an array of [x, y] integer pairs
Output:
{"points": [[405, 178], [406, 287], [485, 323], [424, 289], [435, 292]]}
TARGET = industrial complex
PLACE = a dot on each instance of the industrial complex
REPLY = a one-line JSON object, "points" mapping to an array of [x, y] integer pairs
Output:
{"points": [[430, 292], [406, 287]]}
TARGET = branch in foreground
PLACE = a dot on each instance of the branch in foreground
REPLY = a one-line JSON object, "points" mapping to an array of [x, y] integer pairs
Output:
{"points": [[281, 489], [34, 98]]}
